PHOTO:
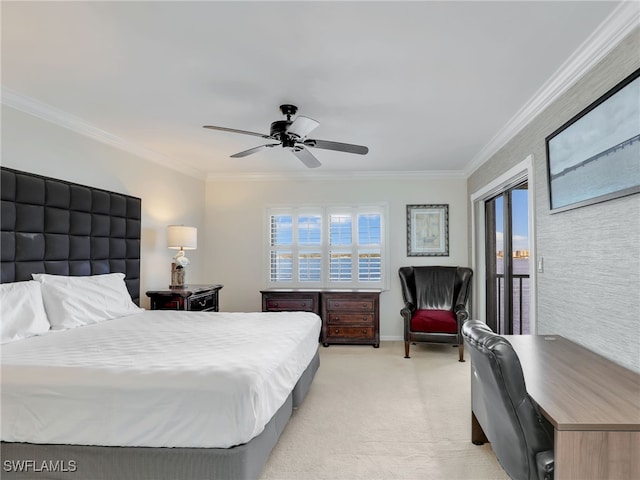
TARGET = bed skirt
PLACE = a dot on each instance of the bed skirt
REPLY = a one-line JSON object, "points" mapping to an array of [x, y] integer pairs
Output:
{"points": [[27, 461]]}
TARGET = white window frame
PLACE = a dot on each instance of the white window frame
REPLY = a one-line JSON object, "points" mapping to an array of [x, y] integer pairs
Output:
{"points": [[325, 211]]}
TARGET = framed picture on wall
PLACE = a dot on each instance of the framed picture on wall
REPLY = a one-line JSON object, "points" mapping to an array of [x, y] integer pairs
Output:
{"points": [[428, 230], [595, 156]]}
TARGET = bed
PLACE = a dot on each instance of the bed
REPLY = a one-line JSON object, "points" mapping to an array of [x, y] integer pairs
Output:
{"points": [[132, 394]]}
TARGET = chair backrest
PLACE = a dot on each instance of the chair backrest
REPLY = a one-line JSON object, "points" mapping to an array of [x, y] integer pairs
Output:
{"points": [[514, 424], [435, 288]]}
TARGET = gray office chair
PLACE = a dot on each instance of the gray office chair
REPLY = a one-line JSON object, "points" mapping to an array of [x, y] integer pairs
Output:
{"points": [[513, 423]]}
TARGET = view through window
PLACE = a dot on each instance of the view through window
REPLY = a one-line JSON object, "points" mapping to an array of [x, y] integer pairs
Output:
{"points": [[508, 288], [338, 247]]}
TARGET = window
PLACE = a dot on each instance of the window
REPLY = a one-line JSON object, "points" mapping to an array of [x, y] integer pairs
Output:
{"points": [[341, 247]]}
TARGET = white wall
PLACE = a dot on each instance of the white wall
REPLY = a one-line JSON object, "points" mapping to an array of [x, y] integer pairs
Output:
{"points": [[235, 214], [34, 145]]}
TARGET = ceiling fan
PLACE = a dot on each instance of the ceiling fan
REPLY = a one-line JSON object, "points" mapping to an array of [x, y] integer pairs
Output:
{"points": [[292, 134]]}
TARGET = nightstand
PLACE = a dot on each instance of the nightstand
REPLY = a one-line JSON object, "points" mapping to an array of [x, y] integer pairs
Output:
{"points": [[194, 298]]}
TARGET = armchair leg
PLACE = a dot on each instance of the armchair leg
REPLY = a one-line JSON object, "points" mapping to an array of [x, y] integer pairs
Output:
{"points": [[406, 350], [461, 352]]}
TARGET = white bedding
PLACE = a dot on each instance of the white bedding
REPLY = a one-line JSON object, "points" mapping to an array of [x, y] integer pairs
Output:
{"points": [[156, 379]]}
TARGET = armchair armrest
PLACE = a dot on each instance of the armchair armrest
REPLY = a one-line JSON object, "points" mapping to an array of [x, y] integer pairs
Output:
{"points": [[407, 313], [461, 312], [407, 310]]}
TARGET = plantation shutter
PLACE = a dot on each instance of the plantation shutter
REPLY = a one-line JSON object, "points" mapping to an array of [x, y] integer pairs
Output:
{"points": [[369, 247], [340, 247]]}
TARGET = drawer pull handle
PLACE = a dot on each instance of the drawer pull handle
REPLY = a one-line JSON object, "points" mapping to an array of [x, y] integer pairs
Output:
{"points": [[364, 305], [336, 331], [364, 330], [337, 319], [276, 304]]}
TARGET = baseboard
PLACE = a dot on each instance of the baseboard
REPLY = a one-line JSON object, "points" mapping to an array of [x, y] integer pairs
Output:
{"points": [[391, 339]]}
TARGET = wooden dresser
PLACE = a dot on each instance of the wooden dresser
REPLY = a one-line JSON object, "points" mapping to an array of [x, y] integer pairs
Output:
{"points": [[290, 301], [348, 316]]}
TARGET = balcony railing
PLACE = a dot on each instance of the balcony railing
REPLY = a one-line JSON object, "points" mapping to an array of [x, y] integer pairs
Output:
{"points": [[520, 304]]}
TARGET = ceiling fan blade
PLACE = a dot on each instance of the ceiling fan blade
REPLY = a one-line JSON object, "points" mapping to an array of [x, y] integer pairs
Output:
{"points": [[306, 157], [340, 147], [234, 130], [254, 150], [302, 126]]}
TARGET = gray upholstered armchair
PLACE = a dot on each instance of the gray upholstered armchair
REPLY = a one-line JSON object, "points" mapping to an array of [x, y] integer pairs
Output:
{"points": [[435, 305], [513, 424]]}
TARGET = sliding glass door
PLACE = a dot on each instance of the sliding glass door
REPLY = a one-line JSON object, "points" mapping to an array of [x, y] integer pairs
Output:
{"points": [[507, 261]]}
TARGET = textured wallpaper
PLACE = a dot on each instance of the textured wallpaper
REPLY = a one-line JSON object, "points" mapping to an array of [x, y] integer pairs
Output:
{"points": [[589, 291]]}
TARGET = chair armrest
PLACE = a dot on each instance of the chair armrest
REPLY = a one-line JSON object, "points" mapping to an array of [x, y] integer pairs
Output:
{"points": [[461, 312], [407, 311], [545, 464]]}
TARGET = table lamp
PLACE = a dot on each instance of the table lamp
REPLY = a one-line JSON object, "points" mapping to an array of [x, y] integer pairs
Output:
{"points": [[180, 238]]}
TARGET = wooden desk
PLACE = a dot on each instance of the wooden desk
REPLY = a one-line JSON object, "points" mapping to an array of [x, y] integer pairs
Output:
{"points": [[592, 403]]}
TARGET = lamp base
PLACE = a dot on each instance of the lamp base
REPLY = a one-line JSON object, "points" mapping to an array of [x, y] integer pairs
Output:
{"points": [[177, 276]]}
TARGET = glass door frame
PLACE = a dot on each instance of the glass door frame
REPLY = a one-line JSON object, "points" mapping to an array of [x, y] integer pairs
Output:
{"points": [[521, 172], [501, 312]]}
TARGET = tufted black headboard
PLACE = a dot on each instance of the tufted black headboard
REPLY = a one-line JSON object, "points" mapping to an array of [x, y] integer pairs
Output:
{"points": [[58, 227]]}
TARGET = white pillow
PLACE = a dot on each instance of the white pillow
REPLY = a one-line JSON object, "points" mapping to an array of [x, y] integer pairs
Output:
{"points": [[22, 311], [74, 301]]}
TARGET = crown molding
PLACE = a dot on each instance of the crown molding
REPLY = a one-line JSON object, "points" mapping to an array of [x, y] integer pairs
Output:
{"points": [[51, 114], [603, 40], [346, 176]]}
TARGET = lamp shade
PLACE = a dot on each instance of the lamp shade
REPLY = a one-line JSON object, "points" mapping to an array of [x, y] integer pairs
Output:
{"points": [[181, 237]]}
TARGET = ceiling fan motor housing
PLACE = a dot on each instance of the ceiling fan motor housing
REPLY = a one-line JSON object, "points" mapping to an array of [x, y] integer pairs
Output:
{"points": [[279, 129]]}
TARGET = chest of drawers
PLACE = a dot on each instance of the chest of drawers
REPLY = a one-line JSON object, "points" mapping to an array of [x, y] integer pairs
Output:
{"points": [[348, 317], [290, 301]]}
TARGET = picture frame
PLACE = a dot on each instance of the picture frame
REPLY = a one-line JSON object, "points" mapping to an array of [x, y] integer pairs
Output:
{"points": [[595, 156], [428, 230]]}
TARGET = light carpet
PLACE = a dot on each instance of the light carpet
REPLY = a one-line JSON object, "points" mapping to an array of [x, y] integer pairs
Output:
{"points": [[372, 414]]}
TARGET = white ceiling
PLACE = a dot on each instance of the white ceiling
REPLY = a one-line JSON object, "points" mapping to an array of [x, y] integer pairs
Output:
{"points": [[427, 86]]}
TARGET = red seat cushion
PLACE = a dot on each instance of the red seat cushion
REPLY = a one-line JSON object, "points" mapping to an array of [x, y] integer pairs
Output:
{"points": [[437, 321]]}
